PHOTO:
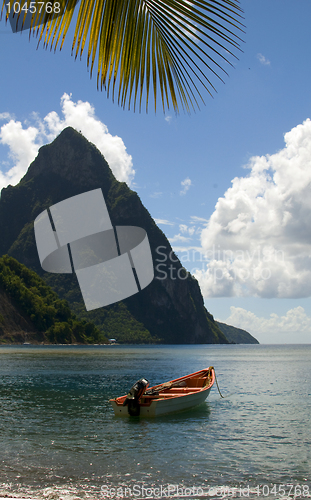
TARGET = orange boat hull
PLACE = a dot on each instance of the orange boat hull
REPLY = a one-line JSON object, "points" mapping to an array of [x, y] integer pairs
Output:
{"points": [[176, 395]]}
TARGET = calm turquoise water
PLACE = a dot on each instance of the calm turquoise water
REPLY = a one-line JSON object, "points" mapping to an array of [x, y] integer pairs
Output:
{"points": [[59, 437]]}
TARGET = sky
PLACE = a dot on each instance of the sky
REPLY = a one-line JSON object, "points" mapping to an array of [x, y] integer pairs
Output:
{"points": [[229, 184]]}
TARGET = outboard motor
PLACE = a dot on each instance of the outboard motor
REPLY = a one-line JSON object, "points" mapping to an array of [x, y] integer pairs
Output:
{"points": [[135, 393]]}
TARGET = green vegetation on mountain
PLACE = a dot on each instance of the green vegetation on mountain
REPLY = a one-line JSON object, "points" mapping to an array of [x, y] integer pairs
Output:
{"points": [[236, 335], [116, 322], [44, 310]]}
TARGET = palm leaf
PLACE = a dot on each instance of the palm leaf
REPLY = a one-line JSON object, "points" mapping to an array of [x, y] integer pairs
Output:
{"points": [[167, 48]]}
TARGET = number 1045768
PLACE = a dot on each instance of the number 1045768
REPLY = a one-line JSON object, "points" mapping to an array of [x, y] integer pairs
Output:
{"points": [[283, 490], [34, 7]]}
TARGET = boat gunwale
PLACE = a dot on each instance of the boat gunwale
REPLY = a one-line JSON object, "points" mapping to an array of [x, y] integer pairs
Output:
{"points": [[191, 390]]}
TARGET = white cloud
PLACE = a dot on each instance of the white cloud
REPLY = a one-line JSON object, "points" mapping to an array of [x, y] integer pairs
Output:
{"points": [[187, 234], [263, 60], [168, 119], [23, 149], [258, 240], [5, 116], [164, 221], [200, 220], [179, 237], [186, 243], [187, 253], [157, 194], [24, 142], [295, 322], [186, 186], [186, 229]]}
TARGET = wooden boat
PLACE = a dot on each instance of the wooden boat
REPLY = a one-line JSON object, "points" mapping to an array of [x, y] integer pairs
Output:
{"points": [[176, 395]]}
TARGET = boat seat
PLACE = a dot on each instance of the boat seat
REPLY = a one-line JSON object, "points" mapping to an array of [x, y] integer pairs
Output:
{"points": [[196, 382]]}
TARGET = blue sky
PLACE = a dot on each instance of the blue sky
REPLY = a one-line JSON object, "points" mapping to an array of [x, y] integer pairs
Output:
{"points": [[257, 240]]}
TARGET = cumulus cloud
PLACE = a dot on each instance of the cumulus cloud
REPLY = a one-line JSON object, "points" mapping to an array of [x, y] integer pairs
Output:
{"points": [[24, 140], [263, 60], [186, 186], [258, 240], [189, 233], [186, 229], [23, 148], [295, 322]]}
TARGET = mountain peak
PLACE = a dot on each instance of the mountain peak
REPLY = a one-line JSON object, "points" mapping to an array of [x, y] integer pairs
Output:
{"points": [[72, 157]]}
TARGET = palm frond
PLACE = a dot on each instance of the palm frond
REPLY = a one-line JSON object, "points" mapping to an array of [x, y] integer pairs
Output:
{"points": [[167, 48]]}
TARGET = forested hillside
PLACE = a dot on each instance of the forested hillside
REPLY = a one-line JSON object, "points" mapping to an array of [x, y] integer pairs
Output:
{"points": [[31, 311]]}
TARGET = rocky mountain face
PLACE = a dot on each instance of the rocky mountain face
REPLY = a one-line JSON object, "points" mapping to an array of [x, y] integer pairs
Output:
{"points": [[236, 335], [170, 308]]}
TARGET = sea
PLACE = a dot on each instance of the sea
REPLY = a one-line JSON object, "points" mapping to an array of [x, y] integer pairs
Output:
{"points": [[59, 438]]}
